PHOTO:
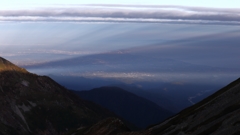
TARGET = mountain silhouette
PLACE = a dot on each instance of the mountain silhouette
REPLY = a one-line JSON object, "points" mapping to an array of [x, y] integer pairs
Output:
{"points": [[218, 114], [137, 110], [32, 104]]}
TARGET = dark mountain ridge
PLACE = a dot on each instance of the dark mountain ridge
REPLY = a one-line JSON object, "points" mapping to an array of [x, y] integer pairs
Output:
{"points": [[219, 114], [32, 104], [172, 96], [137, 110]]}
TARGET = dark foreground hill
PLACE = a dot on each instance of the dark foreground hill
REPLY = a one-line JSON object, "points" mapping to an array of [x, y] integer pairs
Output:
{"points": [[137, 110], [31, 104]]}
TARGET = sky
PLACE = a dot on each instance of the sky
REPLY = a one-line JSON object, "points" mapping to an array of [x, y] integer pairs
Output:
{"points": [[204, 11], [177, 36], [188, 11], [192, 3], [128, 52]]}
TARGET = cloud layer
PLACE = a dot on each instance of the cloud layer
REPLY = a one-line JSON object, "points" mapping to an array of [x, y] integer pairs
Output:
{"points": [[123, 13]]}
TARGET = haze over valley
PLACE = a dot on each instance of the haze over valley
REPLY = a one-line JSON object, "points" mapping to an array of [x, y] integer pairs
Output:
{"points": [[154, 57]]}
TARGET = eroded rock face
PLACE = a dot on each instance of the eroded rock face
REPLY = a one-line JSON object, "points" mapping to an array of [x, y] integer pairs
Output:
{"points": [[32, 104]]}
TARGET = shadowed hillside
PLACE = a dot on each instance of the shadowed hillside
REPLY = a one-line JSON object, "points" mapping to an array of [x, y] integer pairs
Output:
{"points": [[137, 110], [219, 114], [32, 104]]}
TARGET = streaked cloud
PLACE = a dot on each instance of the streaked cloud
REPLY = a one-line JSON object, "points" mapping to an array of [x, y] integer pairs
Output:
{"points": [[123, 13], [45, 51], [59, 54]]}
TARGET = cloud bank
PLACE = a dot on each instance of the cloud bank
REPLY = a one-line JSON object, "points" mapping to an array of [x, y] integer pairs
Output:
{"points": [[123, 13]]}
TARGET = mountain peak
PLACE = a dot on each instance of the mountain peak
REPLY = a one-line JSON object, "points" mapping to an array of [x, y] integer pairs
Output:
{"points": [[6, 65], [126, 105]]}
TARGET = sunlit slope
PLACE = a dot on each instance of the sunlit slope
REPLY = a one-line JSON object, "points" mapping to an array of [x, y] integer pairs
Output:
{"points": [[8, 66]]}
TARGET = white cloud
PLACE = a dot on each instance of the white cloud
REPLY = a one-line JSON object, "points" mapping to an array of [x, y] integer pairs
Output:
{"points": [[123, 13]]}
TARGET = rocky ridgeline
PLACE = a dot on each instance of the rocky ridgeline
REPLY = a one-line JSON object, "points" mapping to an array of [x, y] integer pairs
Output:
{"points": [[8, 66], [32, 104]]}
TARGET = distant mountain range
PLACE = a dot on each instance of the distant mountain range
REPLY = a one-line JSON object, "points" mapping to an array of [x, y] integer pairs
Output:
{"points": [[137, 110], [32, 104], [171, 96], [219, 114]]}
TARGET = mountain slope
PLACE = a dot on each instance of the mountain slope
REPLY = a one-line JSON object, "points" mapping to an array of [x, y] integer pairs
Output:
{"points": [[32, 104], [132, 108], [5, 65], [109, 126], [219, 114]]}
